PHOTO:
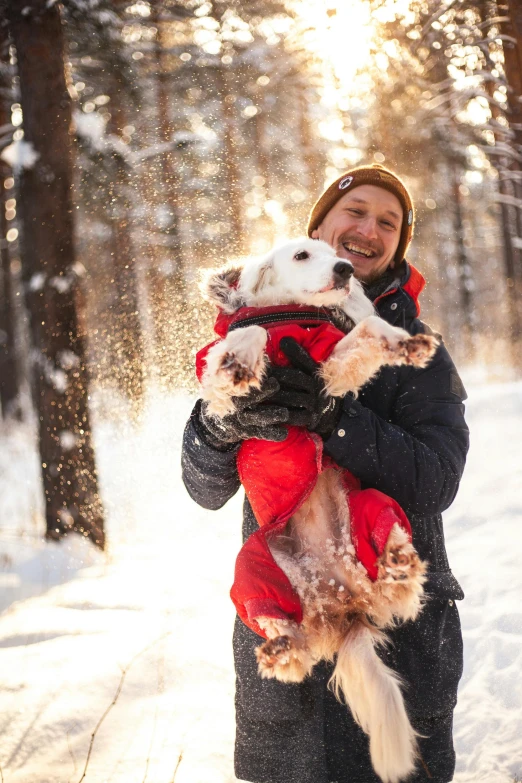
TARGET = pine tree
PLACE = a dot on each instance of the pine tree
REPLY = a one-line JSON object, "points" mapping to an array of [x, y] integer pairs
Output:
{"points": [[99, 61], [51, 274], [449, 71], [511, 29]]}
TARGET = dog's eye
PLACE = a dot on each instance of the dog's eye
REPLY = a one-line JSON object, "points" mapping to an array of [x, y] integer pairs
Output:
{"points": [[302, 255]]}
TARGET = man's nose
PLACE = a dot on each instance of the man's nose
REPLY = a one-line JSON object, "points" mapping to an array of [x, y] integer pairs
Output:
{"points": [[368, 227]]}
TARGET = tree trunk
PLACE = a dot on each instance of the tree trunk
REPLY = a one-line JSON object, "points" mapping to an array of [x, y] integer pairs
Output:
{"points": [[51, 276], [9, 366], [166, 274], [508, 171], [167, 162], [265, 226], [10, 373], [513, 67], [231, 160], [126, 339], [463, 263], [312, 161], [513, 70]]}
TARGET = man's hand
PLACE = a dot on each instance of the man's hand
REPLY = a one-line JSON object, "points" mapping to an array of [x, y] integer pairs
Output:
{"points": [[255, 417], [302, 391]]}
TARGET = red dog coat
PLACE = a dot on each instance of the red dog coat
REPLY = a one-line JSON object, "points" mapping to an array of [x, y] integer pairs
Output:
{"points": [[279, 477]]}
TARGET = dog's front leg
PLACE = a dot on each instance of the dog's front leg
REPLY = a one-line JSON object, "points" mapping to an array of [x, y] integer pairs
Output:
{"points": [[234, 366], [372, 344]]}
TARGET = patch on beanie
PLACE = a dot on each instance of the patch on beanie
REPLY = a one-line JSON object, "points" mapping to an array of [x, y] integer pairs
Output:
{"points": [[345, 182], [410, 217]]}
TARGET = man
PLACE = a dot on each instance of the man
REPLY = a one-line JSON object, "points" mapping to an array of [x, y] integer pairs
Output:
{"points": [[405, 435]]}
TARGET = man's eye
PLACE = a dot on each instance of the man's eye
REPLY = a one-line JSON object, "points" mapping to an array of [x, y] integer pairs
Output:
{"points": [[302, 255]]}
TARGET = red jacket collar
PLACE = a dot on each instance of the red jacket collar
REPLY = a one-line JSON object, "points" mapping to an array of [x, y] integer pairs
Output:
{"points": [[412, 283]]}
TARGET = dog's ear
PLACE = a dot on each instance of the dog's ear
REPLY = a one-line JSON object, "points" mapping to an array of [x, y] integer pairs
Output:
{"points": [[220, 287], [264, 277]]}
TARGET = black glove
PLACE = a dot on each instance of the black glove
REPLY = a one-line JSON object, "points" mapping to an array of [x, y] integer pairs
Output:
{"points": [[302, 391], [254, 417]]}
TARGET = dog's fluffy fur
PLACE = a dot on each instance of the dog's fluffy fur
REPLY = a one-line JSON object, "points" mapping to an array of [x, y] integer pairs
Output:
{"points": [[345, 613]]}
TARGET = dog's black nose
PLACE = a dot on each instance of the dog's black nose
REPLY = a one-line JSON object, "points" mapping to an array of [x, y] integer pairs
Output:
{"points": [[343, 269]]}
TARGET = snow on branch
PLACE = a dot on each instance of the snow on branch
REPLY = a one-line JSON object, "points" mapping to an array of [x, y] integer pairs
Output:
{"points": [[434, 17], [511, 201], [91, 129], [487, 76], [53, 375], [501, 148], [178, 141], [491, 22], [511, 175]]}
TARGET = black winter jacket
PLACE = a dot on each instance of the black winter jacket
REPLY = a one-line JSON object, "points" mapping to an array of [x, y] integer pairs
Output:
{"points": [[406, 436]]}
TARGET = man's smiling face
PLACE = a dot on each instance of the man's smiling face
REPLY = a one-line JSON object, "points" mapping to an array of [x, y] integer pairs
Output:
{"points": [[364, 226]]}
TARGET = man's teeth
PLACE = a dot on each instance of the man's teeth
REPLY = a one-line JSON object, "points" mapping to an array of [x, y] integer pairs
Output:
{"points": [[360, 250]]}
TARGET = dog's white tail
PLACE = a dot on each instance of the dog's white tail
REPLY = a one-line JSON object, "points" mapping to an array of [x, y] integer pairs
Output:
{"points": [[372, 691]]}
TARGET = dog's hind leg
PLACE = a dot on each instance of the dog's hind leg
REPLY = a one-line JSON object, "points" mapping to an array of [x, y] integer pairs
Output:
{"points": [[373, 694], [284, 655], [401, 577], [234, 366]]}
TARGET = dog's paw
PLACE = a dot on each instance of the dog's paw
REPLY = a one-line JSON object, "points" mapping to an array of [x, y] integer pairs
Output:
{"points": [[274, 651], [399, 562], [420, 349], [282, 659], [238, 372], [234, 366], [416, 351], [400, 579]]}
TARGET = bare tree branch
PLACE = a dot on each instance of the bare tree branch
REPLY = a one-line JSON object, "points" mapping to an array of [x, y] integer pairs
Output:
{"points": [[115, 699], [71, 753], [177, 767]]}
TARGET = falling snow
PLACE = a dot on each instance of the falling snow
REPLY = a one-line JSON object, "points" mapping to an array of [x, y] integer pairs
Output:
{"points": [[230, 127], [20, 155], [68, 440], [62, 652], [37, 281], [62, 283]]}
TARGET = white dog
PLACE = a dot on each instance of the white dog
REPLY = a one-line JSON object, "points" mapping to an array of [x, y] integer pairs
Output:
{"points": [[345, 612]]}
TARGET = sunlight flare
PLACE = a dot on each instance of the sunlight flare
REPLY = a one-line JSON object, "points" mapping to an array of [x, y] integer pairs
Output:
{"points": [[342, 33]]}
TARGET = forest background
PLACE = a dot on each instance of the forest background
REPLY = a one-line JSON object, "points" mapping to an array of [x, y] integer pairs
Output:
{"points": [[143, 141]]}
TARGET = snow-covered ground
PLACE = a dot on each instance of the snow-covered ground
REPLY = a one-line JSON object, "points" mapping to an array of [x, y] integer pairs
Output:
{"points": [[134, 645]]}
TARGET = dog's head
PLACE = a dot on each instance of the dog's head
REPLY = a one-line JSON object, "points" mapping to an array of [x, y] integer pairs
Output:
{"points": [[304, 271]]}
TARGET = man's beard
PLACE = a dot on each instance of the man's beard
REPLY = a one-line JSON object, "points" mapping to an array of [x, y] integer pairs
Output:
{"points": [[381, 282], [372, 277]]}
